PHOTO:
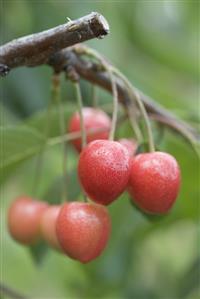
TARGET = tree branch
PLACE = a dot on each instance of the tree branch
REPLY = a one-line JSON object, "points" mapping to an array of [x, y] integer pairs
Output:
{"points": [[35, 49], [52, 47]]}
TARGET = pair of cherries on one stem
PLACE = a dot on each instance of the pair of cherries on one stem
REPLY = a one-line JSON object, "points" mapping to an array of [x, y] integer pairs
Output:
{"points": [[81, 230], [107, 168]]}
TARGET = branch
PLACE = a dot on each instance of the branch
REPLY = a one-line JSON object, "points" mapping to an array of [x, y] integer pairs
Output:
{"points": [[36, 49], [10, 293], [93, 72], [49, 47]]}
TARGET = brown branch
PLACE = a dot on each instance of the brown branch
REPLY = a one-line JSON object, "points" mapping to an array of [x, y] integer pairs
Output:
{"points": [[49, 47], [36, 49]]}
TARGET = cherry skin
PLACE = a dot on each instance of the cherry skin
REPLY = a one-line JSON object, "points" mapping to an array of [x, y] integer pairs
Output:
{"points": [[130, 144], [104, 169], [48, 225], [154, 182], [83, 230], [93, 119], [24, 219]]}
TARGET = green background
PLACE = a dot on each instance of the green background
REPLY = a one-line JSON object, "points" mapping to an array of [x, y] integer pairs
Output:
{"points": [[156, 45]]}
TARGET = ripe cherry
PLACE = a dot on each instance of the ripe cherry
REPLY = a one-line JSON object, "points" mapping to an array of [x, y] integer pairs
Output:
{"points": [[130, 144], [93, 119], [104, 169], [154, 182], [48, 225], [24, 219], [83, 230]]}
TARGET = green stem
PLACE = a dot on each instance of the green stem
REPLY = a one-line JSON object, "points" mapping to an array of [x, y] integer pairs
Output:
{"points": [[115, 105], [94, 96], [72, 136], [75, 135], [135, 95], [107, 67], [132, 91], [134, 123], [57, 98], [39, 161], [80, 110]]}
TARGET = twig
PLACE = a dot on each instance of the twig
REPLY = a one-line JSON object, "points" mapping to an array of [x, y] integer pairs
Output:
{"points": [[8, 292], [45, 48], [36, 49], [76, 135]]}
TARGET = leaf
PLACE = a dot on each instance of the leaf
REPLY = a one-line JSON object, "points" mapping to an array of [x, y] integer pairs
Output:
{"points": [[38, 251], [190, 280], [149, 217], [17, 145], [38, 121], [142, 148], [54, 194], [7, 117]]}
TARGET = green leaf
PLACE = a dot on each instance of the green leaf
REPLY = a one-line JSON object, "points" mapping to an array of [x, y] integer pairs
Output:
{"points": [[38, 120], [38, 251], [54, 194], [7, 117], [17, 145]]}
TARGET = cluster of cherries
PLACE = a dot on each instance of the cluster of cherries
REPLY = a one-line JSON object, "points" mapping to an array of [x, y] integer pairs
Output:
{"points": [[106, 169]]}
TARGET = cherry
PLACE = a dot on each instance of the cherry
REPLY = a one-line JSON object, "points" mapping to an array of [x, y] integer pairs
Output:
{"points": [[93, 119], [104, 169], [83, 230], [24, 219], [130, 144], [154, 182], [48, 225]]}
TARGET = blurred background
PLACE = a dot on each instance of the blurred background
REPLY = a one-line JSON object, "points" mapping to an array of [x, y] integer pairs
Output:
{"points": [[156, 45]]}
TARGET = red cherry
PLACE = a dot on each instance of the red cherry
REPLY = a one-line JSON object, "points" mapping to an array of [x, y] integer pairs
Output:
{"points": [[104, 169], [83, 230], [154, 182], [130, 144], [24, 219], [93, 119], [48, 225]]}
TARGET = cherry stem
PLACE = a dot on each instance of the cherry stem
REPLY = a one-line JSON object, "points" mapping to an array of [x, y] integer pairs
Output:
{"points": [[80, 110], [135, 96], [115, 105], [107, 67], [132, 91], [39, 161], [134, 123], [72, 136], [75, 135], [94, 96], [57, 98]]}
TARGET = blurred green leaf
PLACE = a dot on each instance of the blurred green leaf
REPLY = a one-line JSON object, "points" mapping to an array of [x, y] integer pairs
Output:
{"points": [[55, 192], [190, 280], [6, 116], [18, 144], [38, 120], [38, 252]]}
